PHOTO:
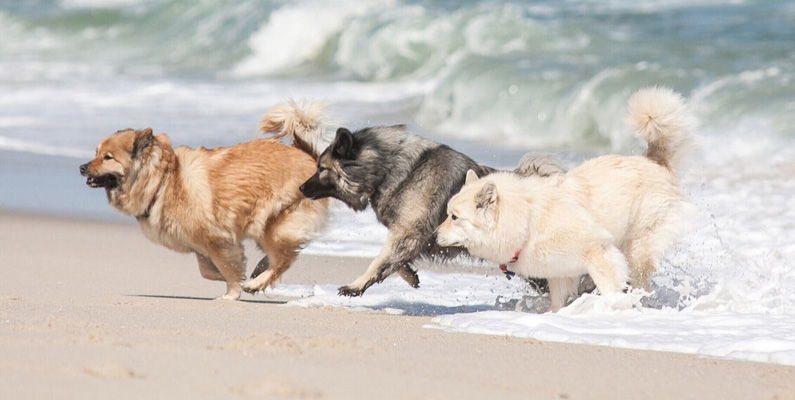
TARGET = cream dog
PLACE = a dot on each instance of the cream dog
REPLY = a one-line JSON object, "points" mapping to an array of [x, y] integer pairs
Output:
{"points": [[612, 217]]}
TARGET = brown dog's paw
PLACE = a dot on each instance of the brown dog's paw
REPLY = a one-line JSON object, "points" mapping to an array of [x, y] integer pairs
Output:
{"points": [[261, 282], [252, 289]]}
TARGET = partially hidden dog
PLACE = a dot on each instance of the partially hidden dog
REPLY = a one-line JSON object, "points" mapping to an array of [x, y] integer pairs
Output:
{"points": [[207, 201], [407, 180], [613, 216]]}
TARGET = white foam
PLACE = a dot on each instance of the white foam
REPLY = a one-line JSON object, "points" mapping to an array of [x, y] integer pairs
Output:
{"points": [[438, 294], [349, 233], [752, 337], [469, 303]]}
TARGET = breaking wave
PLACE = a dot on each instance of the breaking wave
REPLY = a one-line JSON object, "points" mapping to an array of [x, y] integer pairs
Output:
{"points": [[544, 74]]}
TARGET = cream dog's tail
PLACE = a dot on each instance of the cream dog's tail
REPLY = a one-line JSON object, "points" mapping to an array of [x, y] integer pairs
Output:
{"points": [[661, 118], [305, 122]]}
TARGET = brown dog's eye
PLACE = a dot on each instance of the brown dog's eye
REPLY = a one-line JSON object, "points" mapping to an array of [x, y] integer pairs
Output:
{"points": [[107, 157]]}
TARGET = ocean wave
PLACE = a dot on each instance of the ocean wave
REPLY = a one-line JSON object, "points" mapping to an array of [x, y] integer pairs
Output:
{"points": [[547, 74], [25, 146]]}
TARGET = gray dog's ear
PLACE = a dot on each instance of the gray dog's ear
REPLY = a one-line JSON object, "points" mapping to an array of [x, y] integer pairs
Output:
{"points": [[143, 140], [471, 177], [487, 196], [344, 144]]}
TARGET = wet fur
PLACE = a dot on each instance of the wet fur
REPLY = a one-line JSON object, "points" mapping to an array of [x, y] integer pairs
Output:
{"points": [[207, 201], [613, 216], [407, 180]]}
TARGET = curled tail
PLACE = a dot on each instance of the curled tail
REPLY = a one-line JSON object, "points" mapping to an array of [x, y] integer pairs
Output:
{"points": [[305, 122], [661, 118], [541, 164]]}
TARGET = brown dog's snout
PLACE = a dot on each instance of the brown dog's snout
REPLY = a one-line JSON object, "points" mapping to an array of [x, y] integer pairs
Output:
{"points": [[84, 169]]}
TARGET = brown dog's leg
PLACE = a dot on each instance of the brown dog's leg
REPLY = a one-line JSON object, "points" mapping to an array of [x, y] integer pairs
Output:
{"points": [[281, 256], [283, 237], [230, 262], [208, 269]]}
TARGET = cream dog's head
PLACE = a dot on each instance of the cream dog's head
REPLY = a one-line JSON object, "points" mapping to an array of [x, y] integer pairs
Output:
{"points": [[471, 215]]}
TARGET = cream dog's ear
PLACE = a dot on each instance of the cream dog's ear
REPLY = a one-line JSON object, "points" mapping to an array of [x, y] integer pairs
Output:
{"points": [[471, 177], [487, 197]]}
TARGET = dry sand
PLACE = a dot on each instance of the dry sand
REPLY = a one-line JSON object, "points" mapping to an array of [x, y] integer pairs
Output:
{"points": [[92, 310]]}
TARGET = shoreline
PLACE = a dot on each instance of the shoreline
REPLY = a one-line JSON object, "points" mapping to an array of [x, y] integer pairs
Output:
{"points": [[92, 308]]}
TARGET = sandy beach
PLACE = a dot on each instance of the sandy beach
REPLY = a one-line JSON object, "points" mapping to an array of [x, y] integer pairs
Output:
{"points": [[92, 309]]}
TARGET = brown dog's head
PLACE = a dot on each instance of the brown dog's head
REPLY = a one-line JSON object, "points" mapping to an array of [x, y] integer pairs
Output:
{"points": [[115, 157]]}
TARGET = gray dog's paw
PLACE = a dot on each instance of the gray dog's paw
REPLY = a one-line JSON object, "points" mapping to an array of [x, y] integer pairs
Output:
{"points": [[350, 292]]}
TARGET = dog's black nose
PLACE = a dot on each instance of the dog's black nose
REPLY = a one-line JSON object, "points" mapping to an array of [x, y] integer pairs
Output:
{"points": [[83, 169], [301, 189], [433, 236]]}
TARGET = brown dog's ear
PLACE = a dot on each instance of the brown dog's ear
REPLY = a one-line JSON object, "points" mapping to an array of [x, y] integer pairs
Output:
{"points": [[487, 196], [344, 144], [143, 140], [471, 177]]}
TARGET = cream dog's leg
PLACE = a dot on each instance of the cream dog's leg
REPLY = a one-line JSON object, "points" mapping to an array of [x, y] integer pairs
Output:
{"points": [[560, 289], [607, 267]]}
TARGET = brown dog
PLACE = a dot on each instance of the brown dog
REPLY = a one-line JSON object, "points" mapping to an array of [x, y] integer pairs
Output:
{"points": [[206, 201]]}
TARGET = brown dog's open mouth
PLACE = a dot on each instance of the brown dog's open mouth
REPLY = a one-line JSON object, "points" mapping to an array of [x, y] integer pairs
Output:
{"points": [[108, 181]]}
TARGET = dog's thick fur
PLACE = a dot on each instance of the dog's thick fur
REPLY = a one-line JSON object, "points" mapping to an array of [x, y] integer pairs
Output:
{"points": [[407, 180], [207, 201], [613, 216]]}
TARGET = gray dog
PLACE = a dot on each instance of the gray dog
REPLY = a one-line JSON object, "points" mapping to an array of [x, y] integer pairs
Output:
{"points": [[407, 180]]}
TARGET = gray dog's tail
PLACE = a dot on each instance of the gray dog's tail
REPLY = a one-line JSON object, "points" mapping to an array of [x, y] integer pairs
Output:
{"points": [[305, 122], [541, 164], [661, 118]]}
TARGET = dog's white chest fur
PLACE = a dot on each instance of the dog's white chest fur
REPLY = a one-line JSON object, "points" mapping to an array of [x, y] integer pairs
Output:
{"points": [[152, 229]]}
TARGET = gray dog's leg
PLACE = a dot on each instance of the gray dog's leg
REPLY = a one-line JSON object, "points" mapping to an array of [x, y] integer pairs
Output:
{"points": [[409, 275], [397, 254]]}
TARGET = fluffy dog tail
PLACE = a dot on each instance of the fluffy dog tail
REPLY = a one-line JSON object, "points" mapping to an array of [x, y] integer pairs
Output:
{"points": [[305, 122], [661, 118], [541, 164]]}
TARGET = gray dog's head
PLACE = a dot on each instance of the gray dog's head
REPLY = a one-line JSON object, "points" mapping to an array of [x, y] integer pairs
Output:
{"points": [[339, 173]]}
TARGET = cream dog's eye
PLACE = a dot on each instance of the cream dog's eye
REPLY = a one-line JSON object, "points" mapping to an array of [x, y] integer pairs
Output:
{"points": [[107, 157], [453, 217]]}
